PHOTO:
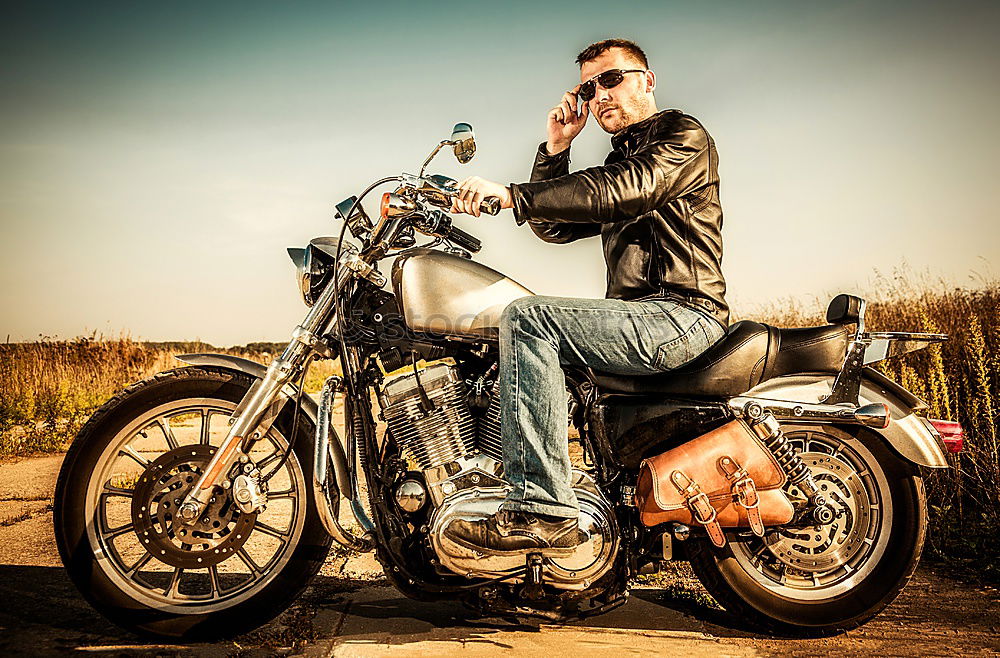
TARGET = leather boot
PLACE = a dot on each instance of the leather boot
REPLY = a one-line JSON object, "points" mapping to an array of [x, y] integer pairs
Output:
{"points": [[517, 533]]}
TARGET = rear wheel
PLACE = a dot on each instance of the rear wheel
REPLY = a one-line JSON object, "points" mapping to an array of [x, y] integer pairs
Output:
{"points": [[824, 579], [117, 495]]}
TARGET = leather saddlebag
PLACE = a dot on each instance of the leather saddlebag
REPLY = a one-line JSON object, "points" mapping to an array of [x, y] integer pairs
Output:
{"points": [[726, 478]]}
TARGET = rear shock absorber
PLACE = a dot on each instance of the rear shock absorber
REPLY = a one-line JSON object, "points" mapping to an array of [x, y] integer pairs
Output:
{"points": [[767, 429]]}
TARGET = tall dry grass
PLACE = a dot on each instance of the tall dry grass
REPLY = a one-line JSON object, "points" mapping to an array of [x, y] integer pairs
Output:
{"points": [[49, 388], [959, 380]]}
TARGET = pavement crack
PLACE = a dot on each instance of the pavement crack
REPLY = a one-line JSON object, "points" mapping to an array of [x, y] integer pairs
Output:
{"points": [[340, 622], [24, 515]]}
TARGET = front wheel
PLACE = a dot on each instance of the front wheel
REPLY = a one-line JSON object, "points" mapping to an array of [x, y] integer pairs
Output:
{"points": [[117, 495], [825, 579]]}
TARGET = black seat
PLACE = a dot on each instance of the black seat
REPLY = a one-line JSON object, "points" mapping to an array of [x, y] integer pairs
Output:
{"points": [[811, 349], [747, 355]]}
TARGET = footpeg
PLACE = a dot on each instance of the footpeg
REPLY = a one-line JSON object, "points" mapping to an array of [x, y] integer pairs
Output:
{"points": [[533, 576]]}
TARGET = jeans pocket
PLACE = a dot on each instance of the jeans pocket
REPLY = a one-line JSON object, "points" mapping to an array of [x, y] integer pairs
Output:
{"points": [[689, 345]]}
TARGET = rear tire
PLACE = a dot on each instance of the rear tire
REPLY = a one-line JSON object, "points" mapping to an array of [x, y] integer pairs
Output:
{"points": [[98, 558], [823, 581]]}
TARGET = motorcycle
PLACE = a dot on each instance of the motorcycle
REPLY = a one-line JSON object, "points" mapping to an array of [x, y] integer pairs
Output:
{"points": [[199, 503]]}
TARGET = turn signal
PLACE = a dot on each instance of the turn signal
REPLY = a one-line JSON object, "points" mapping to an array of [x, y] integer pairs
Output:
{"points": [[951, 433], [394, 205], [383, 208], [873, 415]]}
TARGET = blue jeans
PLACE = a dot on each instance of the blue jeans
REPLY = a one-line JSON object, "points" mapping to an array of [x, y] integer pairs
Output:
{"points": [[538, 335]]}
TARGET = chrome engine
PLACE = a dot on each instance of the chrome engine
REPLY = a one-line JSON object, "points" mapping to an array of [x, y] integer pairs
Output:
{"points": [[429, 417]]}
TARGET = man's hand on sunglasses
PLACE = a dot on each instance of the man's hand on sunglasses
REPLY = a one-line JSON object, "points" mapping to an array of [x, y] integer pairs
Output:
{"points": [[565, 122], [472, 192]]}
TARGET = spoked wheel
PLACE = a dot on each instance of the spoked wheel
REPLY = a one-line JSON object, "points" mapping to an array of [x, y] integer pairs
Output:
{"points": [[117, 496], [824, 579]]}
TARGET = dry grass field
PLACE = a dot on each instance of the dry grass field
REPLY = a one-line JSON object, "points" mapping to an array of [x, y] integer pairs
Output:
{"points": [[959, 380], [48, 389]]}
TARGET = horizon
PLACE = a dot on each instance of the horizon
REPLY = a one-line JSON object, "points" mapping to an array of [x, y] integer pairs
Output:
{"points": [[763, 311]]}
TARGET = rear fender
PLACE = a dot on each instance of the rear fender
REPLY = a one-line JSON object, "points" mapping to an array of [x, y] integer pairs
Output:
{"points": [[907, 434]]}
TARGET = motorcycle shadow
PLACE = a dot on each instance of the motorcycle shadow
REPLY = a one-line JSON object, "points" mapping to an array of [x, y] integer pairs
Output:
{"points": [[40, 603], [42, 610], [43, 613], [379, 615]]}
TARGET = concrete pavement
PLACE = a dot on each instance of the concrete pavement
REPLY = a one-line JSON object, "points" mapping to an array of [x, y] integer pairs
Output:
{"points": [[349, 610]]}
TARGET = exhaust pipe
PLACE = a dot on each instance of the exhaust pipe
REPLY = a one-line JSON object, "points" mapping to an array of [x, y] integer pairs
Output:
{"points": [[327, 495]]}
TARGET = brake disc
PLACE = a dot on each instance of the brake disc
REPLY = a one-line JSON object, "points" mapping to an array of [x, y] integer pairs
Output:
{"points": [[221, 530], [821, 548]]}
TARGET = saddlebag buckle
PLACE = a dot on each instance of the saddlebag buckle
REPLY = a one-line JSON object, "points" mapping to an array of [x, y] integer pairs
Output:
{"points": [[701, 507], [744, 492]]}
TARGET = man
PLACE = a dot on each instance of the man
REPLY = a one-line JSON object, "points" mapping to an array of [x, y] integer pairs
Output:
{"points": [[655, 204]]}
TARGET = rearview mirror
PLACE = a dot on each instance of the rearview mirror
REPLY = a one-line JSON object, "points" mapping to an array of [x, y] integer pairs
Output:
{"points": [[463, 139]]}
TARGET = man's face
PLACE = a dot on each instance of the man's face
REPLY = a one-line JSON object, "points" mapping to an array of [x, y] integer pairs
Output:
{"points": [[629, 102]]}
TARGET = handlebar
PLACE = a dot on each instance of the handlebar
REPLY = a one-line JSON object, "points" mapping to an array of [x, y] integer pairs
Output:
{"points": [[490, 205], [464, 240], [441, 191], [404, 208], [439, 224]]}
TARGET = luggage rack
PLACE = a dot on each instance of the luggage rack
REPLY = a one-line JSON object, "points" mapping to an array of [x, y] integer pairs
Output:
{"points": [[867, 347], [871, 347]]}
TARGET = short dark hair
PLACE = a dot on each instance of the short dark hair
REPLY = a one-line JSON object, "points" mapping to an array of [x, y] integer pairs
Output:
{"points": [[594, 50]]}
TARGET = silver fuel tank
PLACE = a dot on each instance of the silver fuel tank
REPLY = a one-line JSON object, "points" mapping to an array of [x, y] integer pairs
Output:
{"points": [[447, 294]]}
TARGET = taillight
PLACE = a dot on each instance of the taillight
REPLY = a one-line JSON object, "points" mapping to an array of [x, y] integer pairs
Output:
{"points": [[951, 433]]}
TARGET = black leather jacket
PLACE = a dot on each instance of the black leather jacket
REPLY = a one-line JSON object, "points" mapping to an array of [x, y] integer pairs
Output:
{"points": [[655, 203]]}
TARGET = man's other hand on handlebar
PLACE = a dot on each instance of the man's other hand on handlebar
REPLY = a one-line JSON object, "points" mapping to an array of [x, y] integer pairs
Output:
{"points": [[474, 190]]}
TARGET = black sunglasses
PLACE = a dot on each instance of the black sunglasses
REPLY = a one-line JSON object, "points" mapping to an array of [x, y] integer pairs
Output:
{"points": [[608, 79]]}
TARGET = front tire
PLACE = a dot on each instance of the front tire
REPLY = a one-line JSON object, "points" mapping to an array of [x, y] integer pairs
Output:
{"points": [[228, 573], [824, 580]]}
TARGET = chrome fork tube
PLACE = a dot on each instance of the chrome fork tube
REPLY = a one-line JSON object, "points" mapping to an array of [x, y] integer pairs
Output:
{"points": [[246, 422]]}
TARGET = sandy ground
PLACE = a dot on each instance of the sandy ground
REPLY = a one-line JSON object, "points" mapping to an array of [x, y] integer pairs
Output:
{"points": [[350, 611]]}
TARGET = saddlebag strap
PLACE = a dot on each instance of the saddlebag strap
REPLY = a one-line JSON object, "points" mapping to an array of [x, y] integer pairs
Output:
{"points": [[744, 492], [701, 507]]}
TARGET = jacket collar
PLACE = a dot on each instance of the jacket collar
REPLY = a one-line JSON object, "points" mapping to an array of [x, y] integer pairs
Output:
{"points": [[627, 136]]}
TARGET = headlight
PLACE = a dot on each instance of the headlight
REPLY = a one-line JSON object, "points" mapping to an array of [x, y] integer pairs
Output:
{"points": [[306, 278], [314, 265]]}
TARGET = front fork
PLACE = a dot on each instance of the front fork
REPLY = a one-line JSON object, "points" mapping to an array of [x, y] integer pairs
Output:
{"points": [[260, 406], [250, 421]]}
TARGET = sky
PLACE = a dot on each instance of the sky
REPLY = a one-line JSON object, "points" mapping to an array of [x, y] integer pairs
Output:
{"points": [[156, 159]]}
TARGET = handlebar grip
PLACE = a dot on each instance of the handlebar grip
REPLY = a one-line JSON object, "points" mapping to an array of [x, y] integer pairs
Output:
{"points": [[465, 240], [490, 205]]}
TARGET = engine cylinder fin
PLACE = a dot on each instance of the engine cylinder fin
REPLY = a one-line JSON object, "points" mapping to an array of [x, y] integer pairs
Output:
{"points": [[490, 442], [432, 437]]}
